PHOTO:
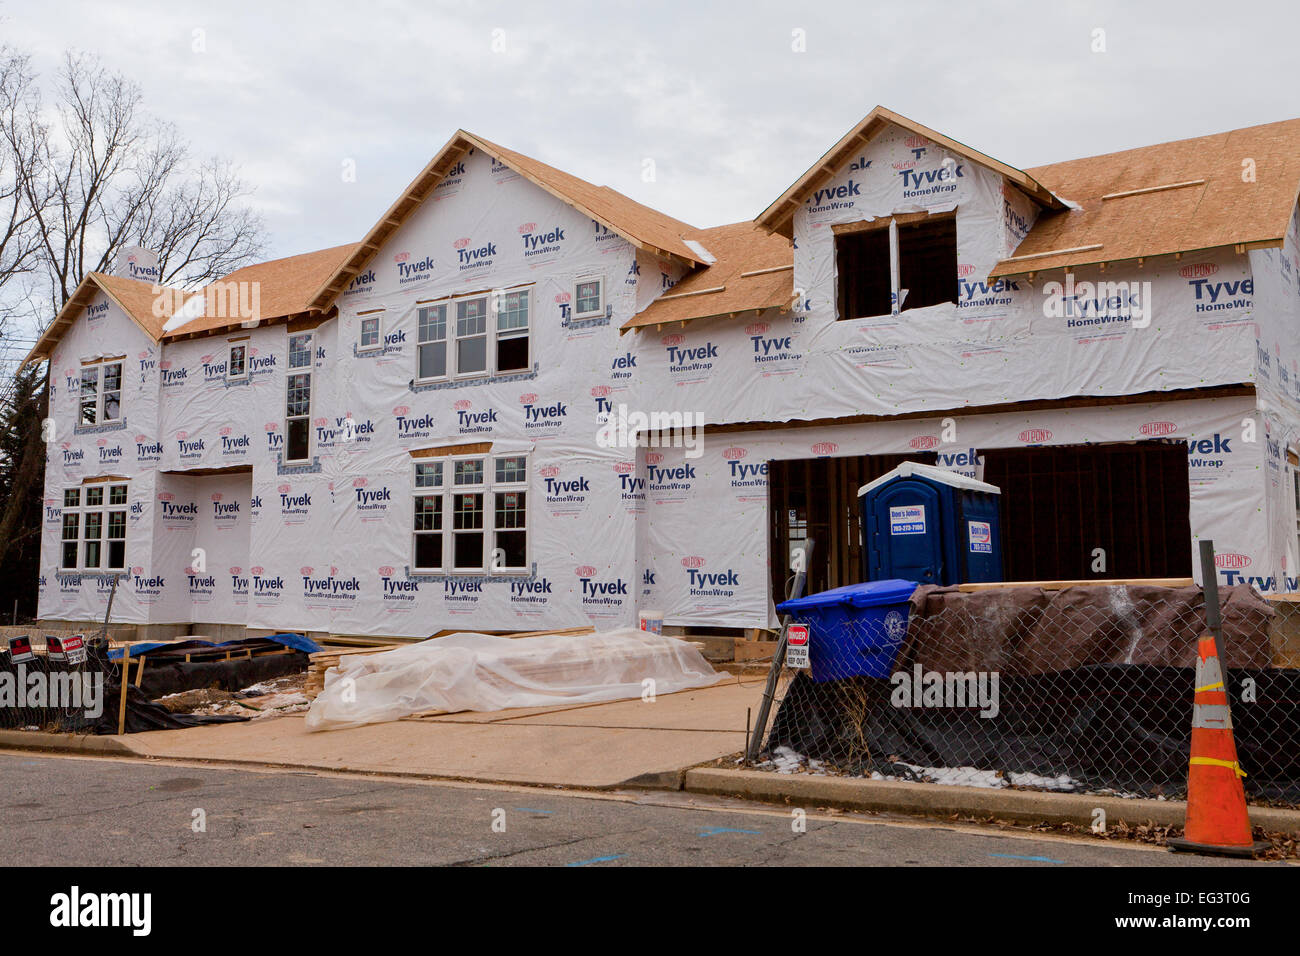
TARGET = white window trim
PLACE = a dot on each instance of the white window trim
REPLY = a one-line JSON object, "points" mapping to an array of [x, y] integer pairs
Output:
{"points": [[488, 488], [103, 508], [378, 319], [100, 417], [242, 376], [448, 340], [438, 491], [310, 371], [600, 309], [492, 335]]}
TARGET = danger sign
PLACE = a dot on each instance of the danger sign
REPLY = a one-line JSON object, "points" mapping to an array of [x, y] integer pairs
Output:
{"points": [[796, 646], [70, 649], [20, 649]]}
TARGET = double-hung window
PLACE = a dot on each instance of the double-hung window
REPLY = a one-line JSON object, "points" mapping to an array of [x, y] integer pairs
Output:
{"points": [[470, 514], [589, 298], [371, 337], [93, 537], [474, 336], [297, 411], [101, 393], [237, 367]]}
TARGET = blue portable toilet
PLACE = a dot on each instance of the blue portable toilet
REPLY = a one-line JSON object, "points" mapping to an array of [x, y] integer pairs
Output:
{"points": [[932, 526]]}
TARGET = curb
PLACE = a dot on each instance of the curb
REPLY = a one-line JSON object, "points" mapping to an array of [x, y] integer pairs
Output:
{"points": [[940, 800], [66, 743]]}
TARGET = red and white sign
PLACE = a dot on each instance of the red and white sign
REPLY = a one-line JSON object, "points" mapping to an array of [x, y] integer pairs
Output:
{"points": [[796, 646]]}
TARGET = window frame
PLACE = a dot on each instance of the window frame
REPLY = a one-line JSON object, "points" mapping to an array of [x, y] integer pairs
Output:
{"points": [[487, 487], [104, 509], [231, 376], [600, 308], [99, 367], [892, 228], [290, 372], [492, 335], [378, 319]]}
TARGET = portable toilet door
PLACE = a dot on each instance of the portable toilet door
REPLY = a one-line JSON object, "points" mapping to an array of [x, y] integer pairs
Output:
{"points": [[906, 522]]}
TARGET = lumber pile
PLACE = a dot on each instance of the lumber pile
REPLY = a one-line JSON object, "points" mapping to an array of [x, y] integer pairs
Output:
{"points": [[322, 661]]}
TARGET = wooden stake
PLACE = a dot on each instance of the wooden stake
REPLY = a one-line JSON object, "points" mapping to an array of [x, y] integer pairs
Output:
{"points": [[121, 705]]}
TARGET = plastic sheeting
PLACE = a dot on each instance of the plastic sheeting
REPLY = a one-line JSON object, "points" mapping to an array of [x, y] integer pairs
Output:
{"points": [[469, 671]]}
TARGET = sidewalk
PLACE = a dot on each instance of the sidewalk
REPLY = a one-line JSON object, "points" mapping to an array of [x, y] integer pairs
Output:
{"points": [[586, 746]]}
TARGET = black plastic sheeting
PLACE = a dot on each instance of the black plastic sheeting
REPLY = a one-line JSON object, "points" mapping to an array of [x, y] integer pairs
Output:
{"points": [[141, 713], [170, 673], [1110, 726]]}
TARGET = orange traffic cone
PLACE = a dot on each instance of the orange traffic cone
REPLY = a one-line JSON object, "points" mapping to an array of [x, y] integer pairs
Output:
{"points": [[1217, 821]]}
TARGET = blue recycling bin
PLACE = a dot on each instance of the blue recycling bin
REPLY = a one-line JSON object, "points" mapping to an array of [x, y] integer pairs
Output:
{"points": [[930, 525], [856, 630]]}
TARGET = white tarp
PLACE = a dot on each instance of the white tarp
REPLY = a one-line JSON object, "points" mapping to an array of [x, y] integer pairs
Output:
{"points": [[469, 671]]}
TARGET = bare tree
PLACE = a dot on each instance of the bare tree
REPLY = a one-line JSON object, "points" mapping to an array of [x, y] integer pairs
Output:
{"points": [[83, 180], [109, 176]]}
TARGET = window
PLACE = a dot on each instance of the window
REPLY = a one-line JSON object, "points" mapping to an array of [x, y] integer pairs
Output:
{"points": [[371, 337], [478, 522], [297, 412], [428, 526], [101, 393], [431, 357], [237, 369], [474, 336], [471, 336], [94, 528], [589, 298], [927, 267], [512, 331]]}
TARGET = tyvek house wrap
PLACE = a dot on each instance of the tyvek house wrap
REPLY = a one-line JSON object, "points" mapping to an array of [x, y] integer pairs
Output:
{"points": [[612, 529]]}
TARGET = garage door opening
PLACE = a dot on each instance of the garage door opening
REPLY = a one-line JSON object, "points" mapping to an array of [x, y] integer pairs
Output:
{"points": [[1061, 505]]}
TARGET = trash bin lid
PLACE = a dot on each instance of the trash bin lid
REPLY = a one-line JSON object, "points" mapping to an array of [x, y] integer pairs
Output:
{"points": [[867, 594]]}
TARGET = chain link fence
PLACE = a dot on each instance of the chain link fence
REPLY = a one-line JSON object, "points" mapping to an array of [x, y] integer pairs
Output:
{"points": [[1080, 690], [54, 683]]}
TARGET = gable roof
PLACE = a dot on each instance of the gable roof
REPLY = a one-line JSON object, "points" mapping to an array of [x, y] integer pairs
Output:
{"points": [[132, 296], [645, 228], [753, 272], [779, 216], [285, 288], [1174, 197]]}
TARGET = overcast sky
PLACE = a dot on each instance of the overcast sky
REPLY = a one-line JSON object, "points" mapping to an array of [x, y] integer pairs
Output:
{"points": [[714, 93]]}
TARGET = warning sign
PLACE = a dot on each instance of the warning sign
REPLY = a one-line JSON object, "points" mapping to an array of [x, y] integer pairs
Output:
{"points": [[20, 649], [981, 537], [71, 650], [907, 519], [796, 646]]}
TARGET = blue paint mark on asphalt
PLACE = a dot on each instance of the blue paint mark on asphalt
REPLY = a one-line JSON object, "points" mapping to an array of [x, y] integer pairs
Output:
{"points": [[714, 831], [533, 810], [1034, 859], [596, 859]]}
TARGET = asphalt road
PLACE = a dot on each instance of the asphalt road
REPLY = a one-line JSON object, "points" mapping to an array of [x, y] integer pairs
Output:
{"points": [[97, 811]]}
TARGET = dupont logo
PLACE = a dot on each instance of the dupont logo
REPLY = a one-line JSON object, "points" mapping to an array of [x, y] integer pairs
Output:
{"points": [[585, 571], [402, 410], [360, 482], [599, 391], [653, 457], [271, 427], [166, 496], [624, 468], [563, 298], [548, 471], [216, 496], [257, 569], [463, 405], [528, 398], [757, 328], [462, 243], [693, 561], [305, 571], [283, 489], [735, 454], [1034, 436], [527, 227], [916, 142], [402, 257], [923, 442], [1232, 560], [236, 569], [1157, 429], [1198, 271], [965, 271], [671, 340], [823, 448], [386, 571]]}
